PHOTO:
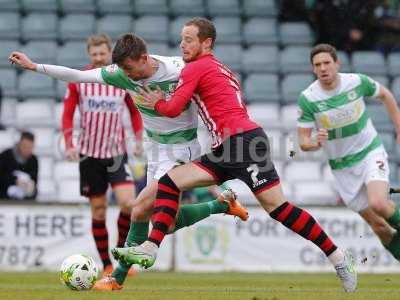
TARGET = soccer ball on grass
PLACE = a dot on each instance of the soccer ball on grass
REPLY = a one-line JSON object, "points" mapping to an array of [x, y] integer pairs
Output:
{"points": [[78, 272]]}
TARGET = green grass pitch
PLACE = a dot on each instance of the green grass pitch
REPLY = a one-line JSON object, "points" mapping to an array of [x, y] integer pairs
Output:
{"points": [[191, 286]]}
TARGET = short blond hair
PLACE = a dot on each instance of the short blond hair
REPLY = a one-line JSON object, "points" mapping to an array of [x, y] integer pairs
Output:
{"points": [[98, 39]]}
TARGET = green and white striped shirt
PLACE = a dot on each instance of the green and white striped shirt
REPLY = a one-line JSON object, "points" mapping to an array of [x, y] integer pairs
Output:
{"points": [[158, 128], [351, 134]]}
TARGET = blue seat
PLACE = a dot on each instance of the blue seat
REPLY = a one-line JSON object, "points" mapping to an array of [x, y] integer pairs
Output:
{"points": [[395, 87], [230, 55], [78, 6], [296, 33], [40, 26], [33, 85], [8, 82], [152, 28], [76, 26], [223, 8], [73, 55], [260, 31], [379, 117], [39, 5], [228, 29], [187, 7], [262, 88], [114, 25], [261, 59], [293, 85], [345, 65], [9, 25], [10, 6], [259, 8], [158, 48], [5, 50], [393, 63], [43, 52], [151, 7], [295, 59], [370, 62], [382, 79], [105, 7], [176, 29]]}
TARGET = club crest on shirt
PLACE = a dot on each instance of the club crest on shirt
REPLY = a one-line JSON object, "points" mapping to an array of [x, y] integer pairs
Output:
{"points": [[352, 95]]}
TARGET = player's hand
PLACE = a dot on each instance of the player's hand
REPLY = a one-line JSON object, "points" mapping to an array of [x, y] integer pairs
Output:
{"points": [[72, 154], [322, 136], [138, 149], [150, 98], [22, 60]]}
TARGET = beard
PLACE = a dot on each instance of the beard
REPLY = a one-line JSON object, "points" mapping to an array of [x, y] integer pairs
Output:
{"points": [[194, 56]]}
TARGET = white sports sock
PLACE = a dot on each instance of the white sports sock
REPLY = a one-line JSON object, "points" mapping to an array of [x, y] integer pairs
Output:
{"points": [[150, 247], [336, 257]]}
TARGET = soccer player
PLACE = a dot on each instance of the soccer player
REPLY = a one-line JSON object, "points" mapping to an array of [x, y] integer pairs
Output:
{"points": [[171, 141], [102, 151], [334, 104], [240, 150]]}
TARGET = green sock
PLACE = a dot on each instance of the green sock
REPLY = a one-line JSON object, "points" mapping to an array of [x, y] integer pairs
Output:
{"points": [[193, 213], [137, 234], [394, 246], [394, 220]]}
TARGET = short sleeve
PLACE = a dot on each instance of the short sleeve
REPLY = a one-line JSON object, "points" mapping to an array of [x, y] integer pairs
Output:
{"points": [[305, 114], [114, 76], [369, 86]]}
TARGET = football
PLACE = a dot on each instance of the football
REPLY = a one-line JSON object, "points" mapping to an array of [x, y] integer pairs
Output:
{"points": [[78, 272]]}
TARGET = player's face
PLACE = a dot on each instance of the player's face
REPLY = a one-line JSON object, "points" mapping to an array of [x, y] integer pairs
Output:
{"points": [[25, 147], [325, 68], [136, 69], [99, 55], [191, 46]]}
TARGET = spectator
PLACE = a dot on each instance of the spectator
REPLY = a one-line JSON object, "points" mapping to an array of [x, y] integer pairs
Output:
{"points": [[349, 25], [290, 10], [387, 14], [19, 170]]}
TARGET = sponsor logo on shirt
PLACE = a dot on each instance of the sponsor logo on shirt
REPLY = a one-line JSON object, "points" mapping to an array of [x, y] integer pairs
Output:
{"points": [[102, 105], [342, 116]]}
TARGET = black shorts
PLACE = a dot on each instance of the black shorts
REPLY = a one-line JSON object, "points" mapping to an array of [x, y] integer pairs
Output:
{"points": [[244, 156], [97, 173]]}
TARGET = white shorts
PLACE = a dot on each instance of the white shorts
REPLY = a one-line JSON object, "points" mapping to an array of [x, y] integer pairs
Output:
{"points": [[163, 157], [351, 182]]}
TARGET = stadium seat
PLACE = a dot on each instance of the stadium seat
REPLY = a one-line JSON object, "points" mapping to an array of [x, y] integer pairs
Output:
{"points": [[265, 115], [151, 7], [379, 117], [295, 33], [369, 62], [7, 139], [229, 29], [293, 85], [68, 192], [275, 138], [187, 7], [7, 115], [44, 140], [395, 87], [260, 31], [259, 8], [73, 55], [114, 25], [10, 5], [302, 171], [66, 170], [382, 79], [223, 8], [76, 26], [262, 88], [289, 114], [39, 26], [230, 55], [35, 85], [61, 88], [345, 65], [393, 63], [295, 60], [9, 25], [393, 175], [176, 29], [261, 59], [8, 82], [388, 140], [175, 51], [37, 113], [152, 28], [314, 193], [78, 6], [6, 48], [158, 48], [41, 51], [47, 191], [45, 167], [40, 5], [105, 7]]}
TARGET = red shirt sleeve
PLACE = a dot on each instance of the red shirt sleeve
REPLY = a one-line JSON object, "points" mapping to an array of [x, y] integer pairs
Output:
{"points": [[71, 100], [136, 118], [187, 85]]}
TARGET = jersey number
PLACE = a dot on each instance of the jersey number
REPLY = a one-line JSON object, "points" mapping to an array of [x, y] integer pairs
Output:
{"points": [[253, 170]]}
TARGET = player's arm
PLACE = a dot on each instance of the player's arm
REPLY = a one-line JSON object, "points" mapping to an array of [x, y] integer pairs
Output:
{"points": [[137, 125], [71, 100], [57, 72], [392, 108]]}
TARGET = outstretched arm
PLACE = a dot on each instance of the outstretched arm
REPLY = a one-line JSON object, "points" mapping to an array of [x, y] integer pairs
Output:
{"points": [[57, 72]]}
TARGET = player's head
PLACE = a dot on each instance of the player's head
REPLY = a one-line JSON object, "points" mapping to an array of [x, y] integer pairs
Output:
{"points": [[325, 63], [130, 54], [26, 144], [198, 38], [99, 49]]}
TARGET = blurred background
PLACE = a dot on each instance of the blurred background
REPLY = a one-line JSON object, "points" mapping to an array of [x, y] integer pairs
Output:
{"points": [[266, 43]]}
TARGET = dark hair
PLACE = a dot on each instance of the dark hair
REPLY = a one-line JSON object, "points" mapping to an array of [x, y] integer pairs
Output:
{"points": [[27, 135], [128, 45], [97, 40], [206, 29], [323, 48]]}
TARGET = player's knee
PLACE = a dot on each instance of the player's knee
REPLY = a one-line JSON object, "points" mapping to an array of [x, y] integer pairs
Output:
{"points": [[379, 206], [139, 213], [99, 211]]}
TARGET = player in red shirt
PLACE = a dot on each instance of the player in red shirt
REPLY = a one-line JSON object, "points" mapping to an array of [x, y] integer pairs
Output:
{"points": [[240, 150], [101, 149]]}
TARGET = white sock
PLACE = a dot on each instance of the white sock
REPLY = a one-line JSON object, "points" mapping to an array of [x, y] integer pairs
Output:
{"points": [[150, 247], [336, 257]]}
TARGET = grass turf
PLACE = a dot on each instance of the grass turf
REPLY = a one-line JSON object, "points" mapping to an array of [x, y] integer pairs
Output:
{"points": [[191, 286]]}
